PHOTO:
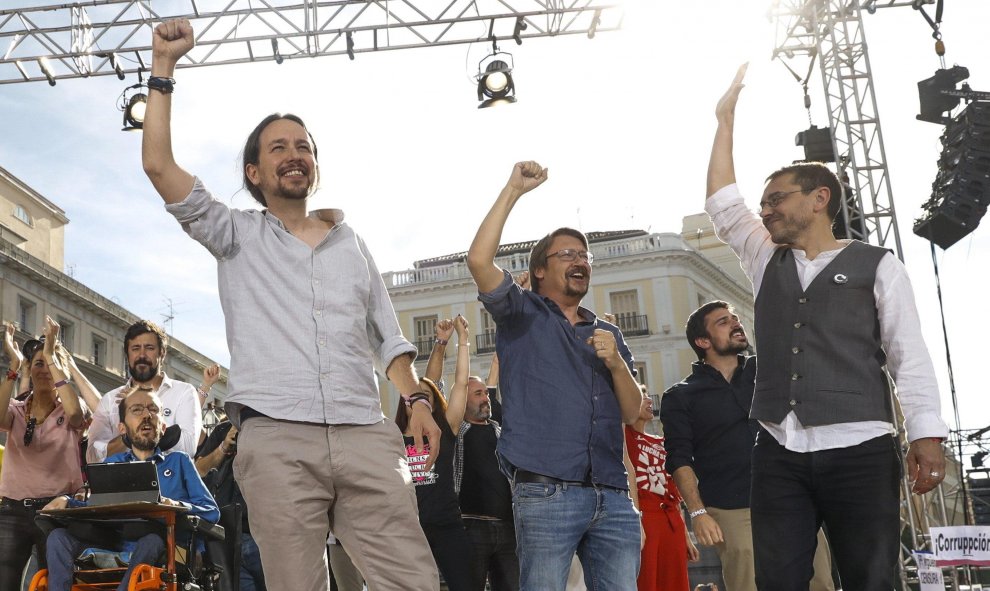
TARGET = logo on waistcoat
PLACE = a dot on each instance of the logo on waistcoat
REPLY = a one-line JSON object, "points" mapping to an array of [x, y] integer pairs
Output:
{"points": [[167, 412], [167, 472], [60, 421], [839, 279]]}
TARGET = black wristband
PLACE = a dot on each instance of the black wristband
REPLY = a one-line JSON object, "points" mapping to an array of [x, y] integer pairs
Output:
{"points": [[162, 85]]}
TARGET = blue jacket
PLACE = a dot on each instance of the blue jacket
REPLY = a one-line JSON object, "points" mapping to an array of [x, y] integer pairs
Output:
{"points": [[178, 480]]}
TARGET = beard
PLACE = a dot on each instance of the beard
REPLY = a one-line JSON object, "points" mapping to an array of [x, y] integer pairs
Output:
{"points": [[482, 413], [142, 440], [732, 348], [786, 229], [143, 370], [293, 193]]}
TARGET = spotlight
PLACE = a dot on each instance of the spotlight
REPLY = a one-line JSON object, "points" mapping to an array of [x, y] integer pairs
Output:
{"points": [[933, 94], [133, 102], [350, 46], [495, 85], [278, 56], [46, 69], [519, 28]]}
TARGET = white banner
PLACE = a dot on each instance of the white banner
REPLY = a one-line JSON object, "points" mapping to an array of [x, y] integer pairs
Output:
{"points": [[961, 544], [929, 574]]}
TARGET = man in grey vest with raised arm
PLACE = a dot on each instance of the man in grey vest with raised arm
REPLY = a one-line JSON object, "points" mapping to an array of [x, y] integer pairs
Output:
{"points": [[831, 317]]}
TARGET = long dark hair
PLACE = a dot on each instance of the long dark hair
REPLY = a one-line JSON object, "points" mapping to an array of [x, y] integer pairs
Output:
{"points": [[439, 407]]}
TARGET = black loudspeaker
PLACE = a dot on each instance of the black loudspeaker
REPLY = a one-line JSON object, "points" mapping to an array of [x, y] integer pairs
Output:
{"points": [[961, 191]]}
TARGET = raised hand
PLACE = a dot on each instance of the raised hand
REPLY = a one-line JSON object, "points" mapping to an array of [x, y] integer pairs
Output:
{"points": [[526, 176], [725, 110], [461, 326], [210, 376], [13, 353], [444, 329], [172, 40]]}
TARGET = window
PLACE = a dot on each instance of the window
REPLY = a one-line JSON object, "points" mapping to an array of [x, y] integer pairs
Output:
{"points": [[625, 306], [23, 215], [425, 327], [68, 333], [99, 351], [640, 367], [27, 313], [485, 339]]}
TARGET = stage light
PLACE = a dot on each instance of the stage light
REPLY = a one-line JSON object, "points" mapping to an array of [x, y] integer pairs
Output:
{"points": [[933, 94], [46, 69], [275, 52], [961, 191], [977, 459], [134, 112], [495, 84], [817, 144]]}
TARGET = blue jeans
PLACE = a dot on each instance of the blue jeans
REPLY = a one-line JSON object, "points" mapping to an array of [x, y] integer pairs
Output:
{"points": [[252, 576], [553, 521], [63, 548]]}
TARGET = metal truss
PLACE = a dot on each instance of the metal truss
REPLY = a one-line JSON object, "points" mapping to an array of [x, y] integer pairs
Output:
{"points": [[102, 37], [831, 32]]}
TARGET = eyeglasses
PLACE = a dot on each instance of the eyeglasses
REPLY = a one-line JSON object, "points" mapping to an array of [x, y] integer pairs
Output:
{"points": [[569, 255], [775, 199], [138, 410], [29, 431]]}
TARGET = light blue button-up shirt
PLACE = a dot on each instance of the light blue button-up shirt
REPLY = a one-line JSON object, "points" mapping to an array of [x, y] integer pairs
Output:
{"points": [[306, 327]]}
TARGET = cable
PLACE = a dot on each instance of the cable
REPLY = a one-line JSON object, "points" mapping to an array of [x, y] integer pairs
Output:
{"points": [[952, 383]]}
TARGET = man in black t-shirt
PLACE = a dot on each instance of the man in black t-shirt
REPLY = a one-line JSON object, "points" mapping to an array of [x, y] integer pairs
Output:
{"points": [[484, 494]]}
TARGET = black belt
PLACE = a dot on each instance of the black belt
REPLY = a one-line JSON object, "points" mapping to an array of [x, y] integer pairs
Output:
{"points": [[533, 477], [27, 503]]}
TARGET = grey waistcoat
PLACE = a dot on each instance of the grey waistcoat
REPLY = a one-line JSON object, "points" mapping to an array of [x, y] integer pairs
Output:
{"points": [[820, 349]]}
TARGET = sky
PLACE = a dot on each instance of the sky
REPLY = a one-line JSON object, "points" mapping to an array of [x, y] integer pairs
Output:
{"points": [[624, 122]]}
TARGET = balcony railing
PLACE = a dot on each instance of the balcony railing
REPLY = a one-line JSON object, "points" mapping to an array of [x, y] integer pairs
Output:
{"points": [[424, 347], [484, 343], [633, 325], [518, 262]]}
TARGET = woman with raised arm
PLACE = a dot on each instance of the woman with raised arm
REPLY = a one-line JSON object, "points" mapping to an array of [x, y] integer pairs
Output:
{"points": [[439, 511], [42, 458]]}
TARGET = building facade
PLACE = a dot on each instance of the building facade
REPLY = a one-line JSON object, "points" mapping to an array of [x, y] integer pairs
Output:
{"points": [[33, 285], [650, 282]]}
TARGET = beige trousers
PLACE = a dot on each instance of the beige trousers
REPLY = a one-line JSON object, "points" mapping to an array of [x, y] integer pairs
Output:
{"points": [[301, 481], [736, 553]]}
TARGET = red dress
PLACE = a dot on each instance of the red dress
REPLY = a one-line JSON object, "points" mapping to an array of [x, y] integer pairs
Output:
{"points": [[663, 565]]}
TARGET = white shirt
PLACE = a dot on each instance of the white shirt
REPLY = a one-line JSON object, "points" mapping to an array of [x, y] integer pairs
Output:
{"points": [[180, 406], [908, 360]]}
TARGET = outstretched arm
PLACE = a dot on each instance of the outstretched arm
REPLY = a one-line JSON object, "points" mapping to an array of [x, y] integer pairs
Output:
{"points": [[458, 392], [170, 41], [442, 331], [525, 177], [721, 169]]}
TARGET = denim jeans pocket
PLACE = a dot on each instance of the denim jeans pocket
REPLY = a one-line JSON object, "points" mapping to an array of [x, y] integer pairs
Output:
{"points": [[534, 492]]}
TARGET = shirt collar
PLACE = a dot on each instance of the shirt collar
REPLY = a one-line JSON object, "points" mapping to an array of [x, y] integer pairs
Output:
{"points": [[334, 216], [157, 457]]}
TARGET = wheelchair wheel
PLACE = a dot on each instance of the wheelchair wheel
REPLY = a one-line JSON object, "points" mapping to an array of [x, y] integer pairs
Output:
{"points": [[39, 582]]}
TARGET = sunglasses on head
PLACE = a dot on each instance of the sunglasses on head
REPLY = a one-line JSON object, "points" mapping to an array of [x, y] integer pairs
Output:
{"points": [[32, 346]]}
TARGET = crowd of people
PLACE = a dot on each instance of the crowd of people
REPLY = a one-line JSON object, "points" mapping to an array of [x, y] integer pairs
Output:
{"points": [[504, 481]]}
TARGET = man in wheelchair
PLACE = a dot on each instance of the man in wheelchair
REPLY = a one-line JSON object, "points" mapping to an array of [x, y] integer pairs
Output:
{"points": [[180, 485]]}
